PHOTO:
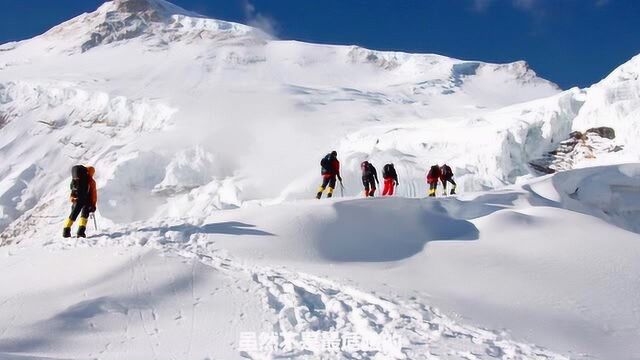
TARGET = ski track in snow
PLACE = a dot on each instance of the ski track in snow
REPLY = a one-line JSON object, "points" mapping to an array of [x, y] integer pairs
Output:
{"points": [[305, 303]]}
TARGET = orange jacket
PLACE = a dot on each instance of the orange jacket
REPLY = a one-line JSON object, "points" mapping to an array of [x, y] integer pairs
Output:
{"points": [[93, 192]]}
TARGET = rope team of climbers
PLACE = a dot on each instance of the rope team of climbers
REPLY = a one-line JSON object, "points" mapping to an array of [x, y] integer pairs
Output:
{"points": [[330, 171], [84, 195]]}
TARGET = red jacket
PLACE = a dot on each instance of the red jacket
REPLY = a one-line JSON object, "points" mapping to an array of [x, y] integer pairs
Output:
{"points": [[335, 169], [93, 193], [433, 175]]}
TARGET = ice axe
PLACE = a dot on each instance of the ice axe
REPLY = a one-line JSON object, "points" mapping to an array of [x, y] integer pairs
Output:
{"points": [[95, 223], [341, 189]]}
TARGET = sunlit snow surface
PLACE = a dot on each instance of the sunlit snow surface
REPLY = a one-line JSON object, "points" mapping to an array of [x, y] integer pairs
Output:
{"points": [[207, 137]]}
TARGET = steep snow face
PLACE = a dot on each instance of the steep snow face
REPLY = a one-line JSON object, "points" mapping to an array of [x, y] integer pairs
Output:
{"points": [[519, 134], [185, 114], [485, 151], [580, 149], [615, 102]]}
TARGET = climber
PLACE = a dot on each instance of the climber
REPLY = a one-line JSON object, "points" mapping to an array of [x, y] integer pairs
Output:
{"points": [[84, 198], [330, 170], [390, 179], [369, 178], [446, 175], [432, 179]]}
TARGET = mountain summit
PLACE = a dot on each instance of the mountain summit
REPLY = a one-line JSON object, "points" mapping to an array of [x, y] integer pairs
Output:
{"points": [[155, 7], [206, 137], [156, 22]]}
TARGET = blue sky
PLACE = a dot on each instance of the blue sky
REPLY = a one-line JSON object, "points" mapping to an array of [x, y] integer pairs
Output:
{"points": [[570, 42]]}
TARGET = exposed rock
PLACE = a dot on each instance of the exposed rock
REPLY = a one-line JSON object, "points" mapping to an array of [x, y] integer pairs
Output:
{"points": [[133, 6], [579, 146], [603, 131]]}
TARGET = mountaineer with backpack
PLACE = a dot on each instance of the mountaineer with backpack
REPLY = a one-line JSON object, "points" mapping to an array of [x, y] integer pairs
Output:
{"points": [[330, 170], [369, 178], [432, 179], [84, 197], [446, 175], [390, 179]]}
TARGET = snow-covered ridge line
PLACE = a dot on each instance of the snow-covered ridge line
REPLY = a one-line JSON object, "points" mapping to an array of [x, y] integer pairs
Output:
{"points": [[519, 134], [160, 24]]}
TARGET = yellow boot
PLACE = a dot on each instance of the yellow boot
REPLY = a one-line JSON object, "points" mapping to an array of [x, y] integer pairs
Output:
{"points": [[82, 228], [330, 192], [66, 231]]}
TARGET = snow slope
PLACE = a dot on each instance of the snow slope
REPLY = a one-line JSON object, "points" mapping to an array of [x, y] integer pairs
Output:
{"points": [[207, 135], [534, 259], [519, 134], [163, 88], [615, 102]]}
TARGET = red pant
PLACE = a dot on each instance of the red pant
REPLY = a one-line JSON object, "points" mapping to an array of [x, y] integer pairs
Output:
{"points": [[389, 184]]}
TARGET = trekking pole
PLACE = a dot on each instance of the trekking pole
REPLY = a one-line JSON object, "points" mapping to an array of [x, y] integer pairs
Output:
{"points": [[95, 223], [341, 189]]}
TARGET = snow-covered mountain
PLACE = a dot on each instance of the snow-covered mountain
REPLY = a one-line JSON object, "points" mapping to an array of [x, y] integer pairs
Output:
{"points": [[207, 136], [176, 106]]}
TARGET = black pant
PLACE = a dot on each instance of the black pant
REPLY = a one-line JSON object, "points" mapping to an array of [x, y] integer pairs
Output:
{"points": [[369, 185], [444, 183], [329, 180], [80, 207]]}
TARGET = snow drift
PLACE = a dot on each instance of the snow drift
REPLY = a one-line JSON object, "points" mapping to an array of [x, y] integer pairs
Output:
{"points": [[206, 136], [531, 258]]}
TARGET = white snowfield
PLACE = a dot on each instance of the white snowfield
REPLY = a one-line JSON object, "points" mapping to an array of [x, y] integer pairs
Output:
{"points": [[543, 260], [207, 137]]}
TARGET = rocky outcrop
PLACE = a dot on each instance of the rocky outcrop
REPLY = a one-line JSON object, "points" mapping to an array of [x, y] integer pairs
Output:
{"points": [[603, 131], [133, 6], [578, 147]]}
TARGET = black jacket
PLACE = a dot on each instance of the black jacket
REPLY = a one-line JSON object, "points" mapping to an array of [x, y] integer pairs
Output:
{"points": [[369, 171], [389, 171]]}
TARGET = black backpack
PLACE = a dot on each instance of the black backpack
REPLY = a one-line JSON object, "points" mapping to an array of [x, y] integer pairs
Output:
{"points": [[325, 163], [388, 171], [446, 172], [79, 182], [367, 169]]}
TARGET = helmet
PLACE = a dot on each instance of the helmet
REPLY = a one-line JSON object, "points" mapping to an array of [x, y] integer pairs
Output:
{"points": [[334, 153], [91, 170]]}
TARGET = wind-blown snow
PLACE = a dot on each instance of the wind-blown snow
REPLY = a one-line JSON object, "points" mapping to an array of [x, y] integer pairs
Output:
{"points": [[207, 136]]}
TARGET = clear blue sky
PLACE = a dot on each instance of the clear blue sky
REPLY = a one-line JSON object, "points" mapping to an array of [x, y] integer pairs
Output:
{"points": [[570, 42]]}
